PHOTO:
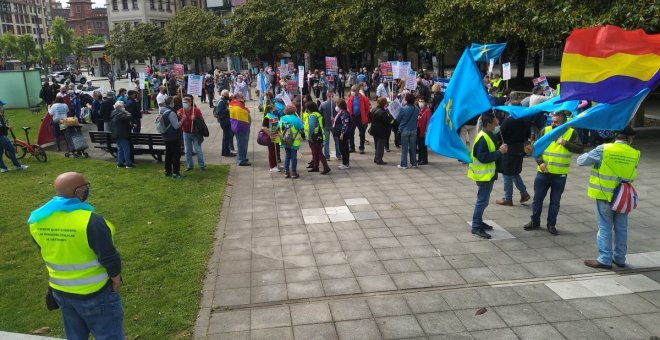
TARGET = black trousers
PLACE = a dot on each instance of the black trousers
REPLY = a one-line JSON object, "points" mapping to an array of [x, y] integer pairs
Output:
{"points": [[380, 149], [422, 150], [173, 156], [343, 148]]}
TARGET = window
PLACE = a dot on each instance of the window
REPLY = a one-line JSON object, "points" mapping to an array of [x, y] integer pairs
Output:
{"points": [[135, 4], [183, 3], [124, 4], [160, 5], [115, 7], [77, 8], [193, 2], [152, 4], [167, 6]]}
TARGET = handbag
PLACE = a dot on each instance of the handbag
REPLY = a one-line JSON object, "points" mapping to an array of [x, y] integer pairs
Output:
{"points": [[263, 138], [624, 199]]}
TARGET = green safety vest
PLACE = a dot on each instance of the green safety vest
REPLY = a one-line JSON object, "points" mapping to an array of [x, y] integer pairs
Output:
{"points": [[72, 265], [556, 157], [305, 120], [558, 88], [496, 83], [319, 125], [273, 123], [296, 133], [478, 171], [619, 163]]}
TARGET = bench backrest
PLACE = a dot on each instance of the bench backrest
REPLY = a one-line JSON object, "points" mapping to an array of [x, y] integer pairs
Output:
{"points": [[102, 137]]}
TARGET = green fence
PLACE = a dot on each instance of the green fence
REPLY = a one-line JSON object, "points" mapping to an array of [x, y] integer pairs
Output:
{"points": [[20, 89]]}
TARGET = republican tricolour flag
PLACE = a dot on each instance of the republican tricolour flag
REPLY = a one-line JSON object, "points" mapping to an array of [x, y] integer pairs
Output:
{"points": [[609, 64], [464, 99]]}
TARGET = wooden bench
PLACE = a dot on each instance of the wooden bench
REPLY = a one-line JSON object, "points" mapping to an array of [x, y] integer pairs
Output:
{"points": [[141, 144]]}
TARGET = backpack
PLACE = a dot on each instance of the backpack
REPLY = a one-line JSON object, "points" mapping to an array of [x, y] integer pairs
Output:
{"points": [[288, 136], [161, 126]]}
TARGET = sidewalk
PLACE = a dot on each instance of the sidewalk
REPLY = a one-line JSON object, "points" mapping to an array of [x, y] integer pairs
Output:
{"points": [[377, 252]]}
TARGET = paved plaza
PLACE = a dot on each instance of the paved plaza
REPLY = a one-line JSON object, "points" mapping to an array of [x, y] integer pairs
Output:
{"points": [[377, 252]]}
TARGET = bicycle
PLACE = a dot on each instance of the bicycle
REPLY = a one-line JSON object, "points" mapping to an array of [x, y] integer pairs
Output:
{"points": [[23, 147]]}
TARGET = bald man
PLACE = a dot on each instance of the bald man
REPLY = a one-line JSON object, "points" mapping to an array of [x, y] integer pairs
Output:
{"points": [[84, 268]]}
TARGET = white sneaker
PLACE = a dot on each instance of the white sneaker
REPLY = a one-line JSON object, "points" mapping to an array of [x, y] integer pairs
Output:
{"points": [[22, 167], [275, 169], [4, 170], [343, 167], [401, 167], [414, 166]]}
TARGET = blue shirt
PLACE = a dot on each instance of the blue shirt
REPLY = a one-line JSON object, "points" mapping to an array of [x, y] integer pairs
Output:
{"points": [[356, 105], [408, 118]]}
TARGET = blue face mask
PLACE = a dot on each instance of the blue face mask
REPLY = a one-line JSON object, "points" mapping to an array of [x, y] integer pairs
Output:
{"points": [[497, 130]]}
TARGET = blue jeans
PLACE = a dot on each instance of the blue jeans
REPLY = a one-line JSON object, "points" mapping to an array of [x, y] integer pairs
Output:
{"points": [[326, 143], [102, 315], [189, 141], [542, 183], [508, 186], [6, 145], [483, 198], [124, 152], [408, 145], [242, 140], [291, 157], [608, 220]]}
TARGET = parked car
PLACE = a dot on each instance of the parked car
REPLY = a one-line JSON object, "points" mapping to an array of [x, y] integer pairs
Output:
{"points": [[62, 76]]}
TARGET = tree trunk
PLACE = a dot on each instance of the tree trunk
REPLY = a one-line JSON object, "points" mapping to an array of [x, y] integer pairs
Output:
{"points": [[404, 49], [522, 61], [537, 65], [441, 65]]}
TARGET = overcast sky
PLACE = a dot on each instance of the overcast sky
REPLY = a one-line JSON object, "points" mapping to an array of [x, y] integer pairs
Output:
{"points": [[97, 3]]}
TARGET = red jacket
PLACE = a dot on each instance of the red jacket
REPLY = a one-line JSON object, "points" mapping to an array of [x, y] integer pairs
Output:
{"points": [[186, 118], [423, 121], [365, 107]]}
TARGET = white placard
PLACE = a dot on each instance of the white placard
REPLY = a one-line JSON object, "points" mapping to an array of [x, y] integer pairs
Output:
{"points": [[301, 76], [284, 70], [490, 65], [404, 68], [506, 71], [286, 98], [395, 69], [411, 80], [394, 107], [195, 83], [142, 78]]}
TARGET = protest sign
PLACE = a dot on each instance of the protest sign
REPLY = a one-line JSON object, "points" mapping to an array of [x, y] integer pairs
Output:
{"points": [[331, 66], [506, 71], [301, 76], [142, 77], [443, 83], [286, 99], [395, 69], [394, 107], [178, 70], [292, 86], [284, 70], [195, 83], [386, 71], [404, 67], [491, 63], [411, 80]]}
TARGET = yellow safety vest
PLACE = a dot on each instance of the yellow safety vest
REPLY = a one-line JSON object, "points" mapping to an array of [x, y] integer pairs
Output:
{"points": [[478, 171], [305, 119], [496, 83], [619, 163], [556, 157], [558, 88], [72, 265]]}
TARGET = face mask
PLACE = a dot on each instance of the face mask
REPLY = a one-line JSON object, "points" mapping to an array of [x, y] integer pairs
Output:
{"points": [[497, 130], [85, 194], [422, 105], [186, 106], [353, 93], [337, 108]]}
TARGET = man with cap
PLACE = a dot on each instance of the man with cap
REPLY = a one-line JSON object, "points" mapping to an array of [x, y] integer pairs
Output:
{"points": [[612, 164], [107, 106], [84, 268], [5, 144]]}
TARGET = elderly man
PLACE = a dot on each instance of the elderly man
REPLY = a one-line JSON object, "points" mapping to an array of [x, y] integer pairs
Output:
{"points": [[84, 268], [240, 120]]}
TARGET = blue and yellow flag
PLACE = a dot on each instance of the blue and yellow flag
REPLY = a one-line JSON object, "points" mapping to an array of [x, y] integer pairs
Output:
{"points": [[486, 52], [464, 99], [550, 105]]}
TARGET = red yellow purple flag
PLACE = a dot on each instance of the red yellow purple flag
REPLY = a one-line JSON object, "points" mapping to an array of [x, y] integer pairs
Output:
{"points": [[609, 64]]}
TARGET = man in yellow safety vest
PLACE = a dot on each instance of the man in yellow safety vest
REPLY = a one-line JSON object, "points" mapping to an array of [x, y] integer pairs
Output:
{"points": [[482, 170], [84, 268], [553, 167], [611, 164]]}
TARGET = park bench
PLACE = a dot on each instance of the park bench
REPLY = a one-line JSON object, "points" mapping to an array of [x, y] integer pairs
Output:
{"points": [[141, 143]]}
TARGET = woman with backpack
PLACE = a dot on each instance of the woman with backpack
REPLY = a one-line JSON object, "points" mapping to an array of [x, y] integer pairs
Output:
{"points": [[316, 136], [290, 127], [270, 125]]}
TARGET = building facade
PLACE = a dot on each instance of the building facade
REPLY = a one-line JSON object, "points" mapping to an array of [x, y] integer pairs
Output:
{"points": [[25, 17], [154, 11], [85, 20]]}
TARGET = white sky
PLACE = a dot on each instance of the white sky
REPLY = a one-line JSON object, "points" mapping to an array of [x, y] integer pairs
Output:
{"points": [[97, 3]]}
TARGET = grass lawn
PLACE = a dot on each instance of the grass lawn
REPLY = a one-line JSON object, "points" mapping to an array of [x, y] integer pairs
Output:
{"points": [[165, 230]]}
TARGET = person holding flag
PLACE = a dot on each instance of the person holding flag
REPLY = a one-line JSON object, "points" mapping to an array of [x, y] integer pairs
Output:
{"points": [[482, 170], [612, 165], [553, 168]]}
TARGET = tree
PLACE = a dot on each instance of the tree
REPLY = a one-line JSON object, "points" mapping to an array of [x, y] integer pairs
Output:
{"points": [[125, 44], [62, 39], [80, 44], [307, 28], [25, 49], [153, 40], [258, 29], [8, 46]]}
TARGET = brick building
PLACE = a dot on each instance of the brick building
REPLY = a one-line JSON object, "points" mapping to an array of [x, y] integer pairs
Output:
{"points": [[85, 20]]}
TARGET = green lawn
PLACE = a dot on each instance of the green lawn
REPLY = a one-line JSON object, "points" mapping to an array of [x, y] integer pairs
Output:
{"points": [[165, 230]]}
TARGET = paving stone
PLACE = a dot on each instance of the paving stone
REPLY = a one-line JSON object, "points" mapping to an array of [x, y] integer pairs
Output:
{"points": [[491, 334], [377, 283], [495, 258], [333, 258], [410, 280], [632, 303], [464, 261], [270, 317], [536, 293], [447, 277], [268, 293], [519, 315], [463, 298], [358, 256], [605, 287], [537, 332], [413, 240], [268, 277], [473, 275], [305, 289], [422, 251], [570, 290], [638, 283], [580, 330], [229, 322], [622, 327], [400, 266], [294, 239], [396, 253], [244, 335], [526, 255], [282, 333], [230, 281], [234, 267], [335, 271], [296, 249], [349, 310], [384, 242], [513, 271], [653, 297], [326, 247], [341, 286], [648, 321], [295, 261], [264, 263], [500, 296], [440, 323], [309, 313], [426, 302], [349, 245], [301, 274], [397, 327], [595, 307], [358, 329], [472, 322], [555, 311], [231, 297], [368, 268], [388, 306], [322, 236], [378, 232], [366, 215], [322, 331]]}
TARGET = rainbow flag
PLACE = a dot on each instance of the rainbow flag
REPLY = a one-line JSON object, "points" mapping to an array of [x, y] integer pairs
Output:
{"points": [[239, 117], [609, 64]]}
